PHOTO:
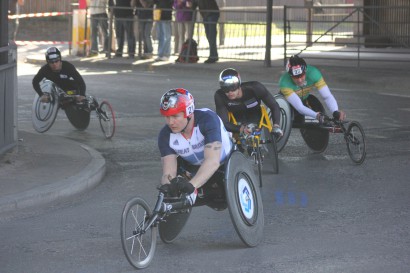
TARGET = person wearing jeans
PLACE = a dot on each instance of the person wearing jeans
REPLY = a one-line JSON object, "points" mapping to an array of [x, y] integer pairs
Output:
{"points": [[163, 26], [210, 15], [144, 13], [124, 24], [99, 20]]}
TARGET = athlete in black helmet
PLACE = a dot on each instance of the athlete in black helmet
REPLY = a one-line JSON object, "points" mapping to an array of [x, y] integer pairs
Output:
{"points": [[243, 100], [62, 73]]}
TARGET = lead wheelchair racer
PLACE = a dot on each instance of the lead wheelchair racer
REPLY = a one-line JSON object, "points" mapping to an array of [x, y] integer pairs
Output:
{"points": [[193, 140]]}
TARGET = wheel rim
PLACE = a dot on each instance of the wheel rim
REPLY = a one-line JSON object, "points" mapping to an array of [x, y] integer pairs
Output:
{"points": [[356, 144], [246, 200], [107, 119], [139, 246]]}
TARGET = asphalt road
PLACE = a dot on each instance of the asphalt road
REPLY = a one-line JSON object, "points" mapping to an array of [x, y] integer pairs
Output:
{"points": [[322, 213]]}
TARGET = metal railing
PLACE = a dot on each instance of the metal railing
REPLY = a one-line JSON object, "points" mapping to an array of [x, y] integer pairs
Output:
{"points": [[8, 98], [348, 33], [333, 32]]}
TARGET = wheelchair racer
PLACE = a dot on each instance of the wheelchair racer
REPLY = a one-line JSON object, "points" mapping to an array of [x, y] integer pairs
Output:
{"points": [[195, 138], [243, 100], [296, 85], [60, 72]]}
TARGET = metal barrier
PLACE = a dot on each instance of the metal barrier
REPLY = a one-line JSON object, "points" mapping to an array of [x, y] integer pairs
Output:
{"points": [[348, 33], [333, 32], [8, 99]]}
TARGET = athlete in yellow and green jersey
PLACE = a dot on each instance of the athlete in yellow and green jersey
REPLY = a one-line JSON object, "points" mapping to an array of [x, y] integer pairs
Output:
{"points": [[296, 85]]}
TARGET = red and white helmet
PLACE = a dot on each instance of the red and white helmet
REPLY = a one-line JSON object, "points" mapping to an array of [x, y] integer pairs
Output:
{"points": [[175, 101]]}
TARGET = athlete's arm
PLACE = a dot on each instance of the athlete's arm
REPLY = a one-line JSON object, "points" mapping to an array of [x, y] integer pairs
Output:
{"points": [[36, 81], [268, 100], [212, 155], [169, 168], [296, 102], [328, 98], [222, 112]]}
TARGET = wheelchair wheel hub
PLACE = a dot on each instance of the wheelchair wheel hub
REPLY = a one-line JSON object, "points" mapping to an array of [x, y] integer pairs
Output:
{"points": [[246, 200]]}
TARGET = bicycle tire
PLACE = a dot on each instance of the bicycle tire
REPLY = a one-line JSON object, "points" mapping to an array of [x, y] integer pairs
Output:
{"points": [[285, 121], [273, 156], [356, 142], [106, 117], [139, 247]]}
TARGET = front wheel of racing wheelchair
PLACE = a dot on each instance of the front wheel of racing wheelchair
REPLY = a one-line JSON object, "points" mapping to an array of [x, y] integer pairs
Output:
{"points": [[242, 197]]}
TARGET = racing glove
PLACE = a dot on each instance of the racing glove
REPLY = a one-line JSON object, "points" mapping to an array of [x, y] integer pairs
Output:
{"points": [[183, 184], [339, 115], [169, 190], [321, 118]]}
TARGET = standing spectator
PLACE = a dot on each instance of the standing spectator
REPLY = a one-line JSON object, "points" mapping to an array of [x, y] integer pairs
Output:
{"points": [[210, 15], [124, 24], [145, 15], [184, 24], [99, 22], [14, 10], [163, 26]]}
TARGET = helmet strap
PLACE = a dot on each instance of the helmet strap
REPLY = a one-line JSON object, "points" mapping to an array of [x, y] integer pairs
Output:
{"points": [[188, 120]]}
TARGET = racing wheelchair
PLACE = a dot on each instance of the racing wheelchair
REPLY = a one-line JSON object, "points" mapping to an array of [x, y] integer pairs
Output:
{"points": [[233, 186], [316, 135], [260, 143], [78, 113]]}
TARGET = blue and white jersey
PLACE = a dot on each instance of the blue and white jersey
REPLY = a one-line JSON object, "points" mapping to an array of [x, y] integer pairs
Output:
{"points": [[208, 128]]}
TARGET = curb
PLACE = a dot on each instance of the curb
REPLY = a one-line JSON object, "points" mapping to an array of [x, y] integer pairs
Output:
{"points": [[86, 179]]}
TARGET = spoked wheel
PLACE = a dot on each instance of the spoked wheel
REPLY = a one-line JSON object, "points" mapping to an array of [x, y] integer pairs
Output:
{"points": [[272, 156], [285, 121], [106, 116], [138, 241], [173, 225], [316, 139], [356, 142], [244, 199]]}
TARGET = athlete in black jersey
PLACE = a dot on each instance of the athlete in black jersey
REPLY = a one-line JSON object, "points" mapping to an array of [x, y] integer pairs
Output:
{"points": [[243, 101], [62, 73]]}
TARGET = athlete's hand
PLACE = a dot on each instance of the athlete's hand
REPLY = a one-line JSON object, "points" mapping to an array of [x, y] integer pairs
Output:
{"points": [[45, 98], [169, 189], [183, 184], [321, 118], [339, 115]]}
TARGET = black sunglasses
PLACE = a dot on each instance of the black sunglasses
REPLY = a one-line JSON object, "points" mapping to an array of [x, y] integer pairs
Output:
{"points": [[54, 61]]}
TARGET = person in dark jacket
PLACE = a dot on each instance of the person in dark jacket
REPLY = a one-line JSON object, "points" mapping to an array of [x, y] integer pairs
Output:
{"points": [[209, 11], [145, 14], [60, 72], [124, 24]]}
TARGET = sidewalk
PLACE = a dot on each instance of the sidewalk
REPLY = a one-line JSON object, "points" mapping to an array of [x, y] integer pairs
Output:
{"points": [[43, 168]]}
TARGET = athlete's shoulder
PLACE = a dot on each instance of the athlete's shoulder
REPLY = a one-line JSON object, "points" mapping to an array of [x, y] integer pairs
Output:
{"points": [[313, 71], [285, 80]]}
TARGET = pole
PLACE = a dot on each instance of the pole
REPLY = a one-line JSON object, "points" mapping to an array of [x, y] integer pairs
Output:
{"points": [[269, 4]]}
